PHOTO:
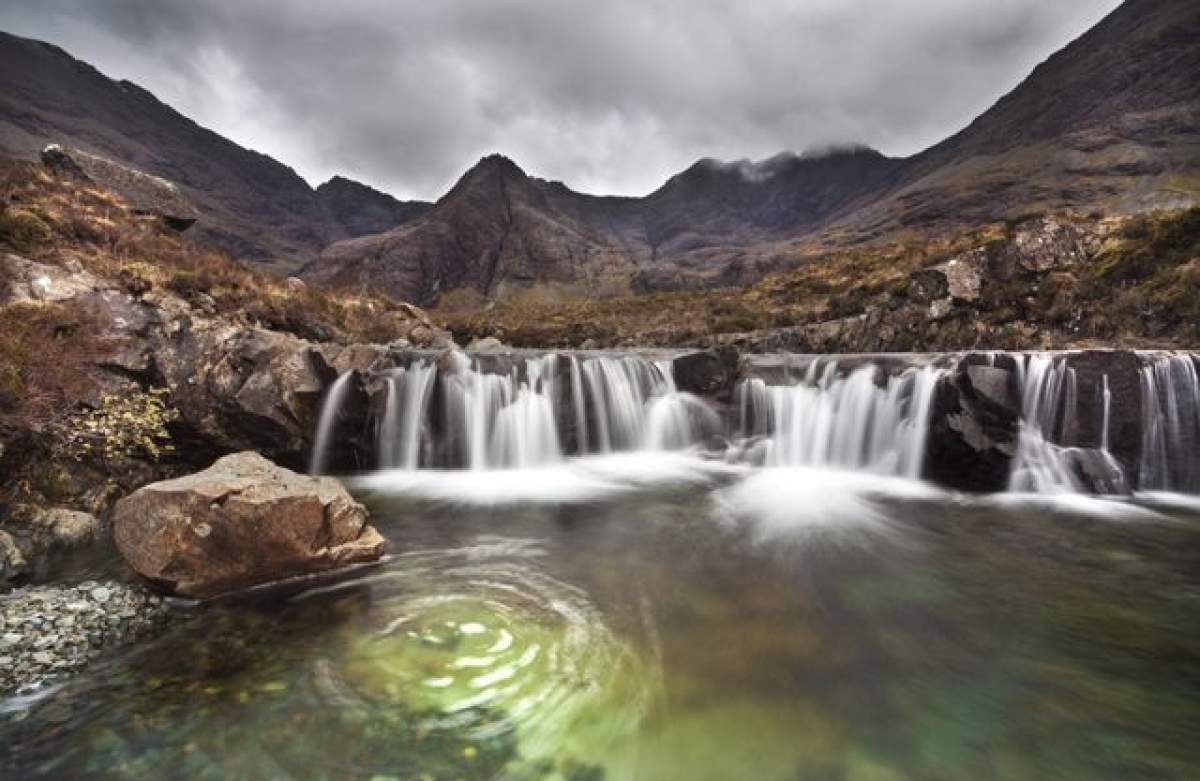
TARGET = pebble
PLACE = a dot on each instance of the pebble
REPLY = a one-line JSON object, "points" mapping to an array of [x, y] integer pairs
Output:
{"points": [[50, 632]]}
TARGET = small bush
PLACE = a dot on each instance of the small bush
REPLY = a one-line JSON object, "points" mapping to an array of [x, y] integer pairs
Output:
{"points": [[23, 231], [121, 427], [189, 284]]}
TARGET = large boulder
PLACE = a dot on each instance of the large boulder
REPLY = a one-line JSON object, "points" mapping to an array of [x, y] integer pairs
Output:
{"points": [[973, 427], [242, 522], [145, 194]]}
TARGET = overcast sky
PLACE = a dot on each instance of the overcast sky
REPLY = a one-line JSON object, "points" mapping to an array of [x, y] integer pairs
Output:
{"points": [[608, 96]]}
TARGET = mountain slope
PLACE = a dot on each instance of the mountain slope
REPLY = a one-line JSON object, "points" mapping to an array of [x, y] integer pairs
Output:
{"points": [[252, 205], [1110, 123], [496, 227]]}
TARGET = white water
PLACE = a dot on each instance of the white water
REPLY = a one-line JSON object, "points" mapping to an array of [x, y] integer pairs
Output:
{"points": [[856, 421], [331, 407], [459, 415], [1170, 425], [540, 411], [409, 391], [1048, 401]]}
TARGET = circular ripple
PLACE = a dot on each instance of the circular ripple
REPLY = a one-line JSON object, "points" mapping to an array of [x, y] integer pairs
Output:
{"points": [[487, 641]]}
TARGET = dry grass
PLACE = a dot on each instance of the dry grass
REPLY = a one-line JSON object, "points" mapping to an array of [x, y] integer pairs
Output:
{"points": [[825, 285], [54, 220]]}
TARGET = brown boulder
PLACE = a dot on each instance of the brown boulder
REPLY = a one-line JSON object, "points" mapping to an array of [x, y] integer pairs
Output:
{"points": [[242, 522]]}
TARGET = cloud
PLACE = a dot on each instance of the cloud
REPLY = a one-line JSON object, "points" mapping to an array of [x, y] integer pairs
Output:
{"points": [[609, 96]]}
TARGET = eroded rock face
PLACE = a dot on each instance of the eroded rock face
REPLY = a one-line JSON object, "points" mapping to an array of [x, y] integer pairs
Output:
{"points": [[974, 425], [242, 522]]}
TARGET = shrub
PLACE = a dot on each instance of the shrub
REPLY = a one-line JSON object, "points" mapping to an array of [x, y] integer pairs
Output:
{"points": [[23, 231], [121, 427], [188, 284]]}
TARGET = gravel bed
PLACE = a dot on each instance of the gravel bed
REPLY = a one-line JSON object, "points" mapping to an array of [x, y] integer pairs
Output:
{"points": [[50, 632]]}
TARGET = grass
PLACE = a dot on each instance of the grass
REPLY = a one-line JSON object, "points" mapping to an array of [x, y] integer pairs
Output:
{"points": [[56, 221]]}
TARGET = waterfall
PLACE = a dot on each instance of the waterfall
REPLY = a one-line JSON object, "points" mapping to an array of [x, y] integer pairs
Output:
{"points": [[1046, 462], [521, 416], [1170, 425], [408, 393], [1047, 388], [331, 407], [848, 422]]}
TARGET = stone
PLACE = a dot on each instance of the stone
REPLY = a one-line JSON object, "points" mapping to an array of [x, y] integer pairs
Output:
{"points": [[487, 344], [60, 528], [265, 523], [711, 373], [12, 561], [973, 425], [295, 285], [144, 193]]}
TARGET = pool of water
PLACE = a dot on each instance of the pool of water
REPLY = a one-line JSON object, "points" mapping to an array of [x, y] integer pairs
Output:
{"points": [[670, 618]]}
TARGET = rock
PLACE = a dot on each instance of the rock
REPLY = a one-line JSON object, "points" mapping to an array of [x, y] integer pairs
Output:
{"points": [[1041, 245], [711, 373], [54, 631], [973, 425], [59, 528], [941, 308], [32, 281], [242, 522], [295, 285], [145, 194], [960, 278], [12, 561], [487, 344], [240, 389]]}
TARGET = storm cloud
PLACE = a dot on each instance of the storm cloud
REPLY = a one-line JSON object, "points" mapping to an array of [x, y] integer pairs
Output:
{"points": [[610, 97]]}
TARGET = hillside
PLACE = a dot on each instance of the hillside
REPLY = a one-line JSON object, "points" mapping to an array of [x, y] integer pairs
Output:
{"points": [[253, 206]]}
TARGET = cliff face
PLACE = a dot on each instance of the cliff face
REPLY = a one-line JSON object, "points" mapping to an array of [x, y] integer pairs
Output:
{"points": [[1109, 123]]}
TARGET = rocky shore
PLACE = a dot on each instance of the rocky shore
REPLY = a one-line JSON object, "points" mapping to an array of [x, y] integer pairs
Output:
{"points": [[49, 632]]}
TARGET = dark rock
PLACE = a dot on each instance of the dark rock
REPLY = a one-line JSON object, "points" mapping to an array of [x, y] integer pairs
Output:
{"points": [[711, 373], [242, 522], [973, 425]]}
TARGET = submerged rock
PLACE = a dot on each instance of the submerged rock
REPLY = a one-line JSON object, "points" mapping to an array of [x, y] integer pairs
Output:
{"points": [[242, 522], [48, 632]]}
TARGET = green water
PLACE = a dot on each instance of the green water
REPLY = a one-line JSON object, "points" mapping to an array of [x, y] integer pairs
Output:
{"points": [[658, 636]]}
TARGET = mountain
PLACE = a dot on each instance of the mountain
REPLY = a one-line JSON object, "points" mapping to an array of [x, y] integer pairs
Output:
{"points": [[496, 228], [253, 206], [361, 210], [1110, 123], [500, 230]]}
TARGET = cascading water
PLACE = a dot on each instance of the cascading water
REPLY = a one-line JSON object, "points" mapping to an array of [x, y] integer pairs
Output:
{"points": [[1170, 425], [331, 408], [456, 414], [1049, 459], [1048, 400], [847, 422], [409, 391]]}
